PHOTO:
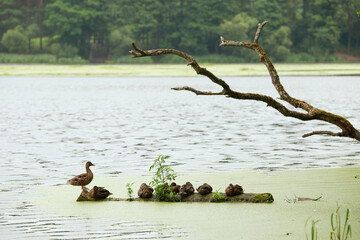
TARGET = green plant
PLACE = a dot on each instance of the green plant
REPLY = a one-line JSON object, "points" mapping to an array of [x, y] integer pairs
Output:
{"points": [[64, 50], [14, 41], [120, 39], [130, 191], [218, 197], [163, 174], [313, 231], [27, 58], [162, 178], [337, 232], [74, 60]]}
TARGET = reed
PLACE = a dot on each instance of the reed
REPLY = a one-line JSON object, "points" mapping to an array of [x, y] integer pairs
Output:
{"points": [[338, 231]]}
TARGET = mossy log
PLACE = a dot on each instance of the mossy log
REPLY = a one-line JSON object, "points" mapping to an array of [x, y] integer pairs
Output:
{"points": [[196, 197]]}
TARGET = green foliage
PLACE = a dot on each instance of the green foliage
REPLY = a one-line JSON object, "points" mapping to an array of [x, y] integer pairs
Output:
{"points": [[241, 27], [171, 59], [314, 27], [162, 178], [222, 58], [324, 38], [163, 174], [337, 231], [120, 41], [38, 58], [64, 50], [18, 58], [308, 58], [130, 191], [163, 192], [32, 31], [14, 41], [313, 229], [77, 21], [11, 14], [218, 197], [74, 60], [277, 43]]}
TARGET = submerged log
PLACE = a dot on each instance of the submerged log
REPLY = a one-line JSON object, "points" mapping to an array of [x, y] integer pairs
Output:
{"points": [[197, 197]]}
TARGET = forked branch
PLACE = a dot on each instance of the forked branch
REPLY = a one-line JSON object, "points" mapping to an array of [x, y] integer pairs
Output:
{"points": [[311, 113]]}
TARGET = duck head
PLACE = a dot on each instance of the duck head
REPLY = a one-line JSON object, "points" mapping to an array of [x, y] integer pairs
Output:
{"points": [[88, 164]]}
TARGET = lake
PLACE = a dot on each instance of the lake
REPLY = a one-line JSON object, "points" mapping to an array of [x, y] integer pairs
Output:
{"points": [[50, 126]]}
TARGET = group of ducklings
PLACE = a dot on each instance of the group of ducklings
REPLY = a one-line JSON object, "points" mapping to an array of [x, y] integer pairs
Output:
{"points": [[145, 191]]}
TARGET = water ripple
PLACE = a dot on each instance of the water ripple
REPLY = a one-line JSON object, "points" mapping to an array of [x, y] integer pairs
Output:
{"points": [[51, 126]]}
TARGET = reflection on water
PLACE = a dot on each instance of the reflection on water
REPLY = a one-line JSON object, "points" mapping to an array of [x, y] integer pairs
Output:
{"points": [[51, 126]]}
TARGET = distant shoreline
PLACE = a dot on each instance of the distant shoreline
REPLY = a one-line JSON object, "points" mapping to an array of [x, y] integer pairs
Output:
{"points": [[179, 70]]}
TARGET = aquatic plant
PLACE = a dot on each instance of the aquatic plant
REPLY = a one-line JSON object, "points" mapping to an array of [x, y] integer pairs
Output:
{"points": [[337, 232], [130, 191], [313, 230], [218, 197], [162, 178]]}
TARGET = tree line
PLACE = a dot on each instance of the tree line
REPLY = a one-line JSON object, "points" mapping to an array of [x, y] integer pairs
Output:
{"points": [[298, 30]]}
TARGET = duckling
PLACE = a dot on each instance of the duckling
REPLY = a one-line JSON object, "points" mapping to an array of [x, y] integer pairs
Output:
{"points": [[84, 178], [204, 189], [175, 188], [99, 193], [186, 190], [238, 190], [145, 191], [232, 190]]}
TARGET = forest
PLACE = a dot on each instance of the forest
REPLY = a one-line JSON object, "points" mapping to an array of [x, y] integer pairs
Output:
{"points": [[79, 31]]}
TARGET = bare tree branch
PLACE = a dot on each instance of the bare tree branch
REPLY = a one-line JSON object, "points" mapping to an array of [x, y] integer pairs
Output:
{"points": [[197, 92], [340, 134], [311, 113], [190, 59], [258, 31]]}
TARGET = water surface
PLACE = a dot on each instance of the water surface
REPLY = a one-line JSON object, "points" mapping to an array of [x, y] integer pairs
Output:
{"points": [[50, 126]]}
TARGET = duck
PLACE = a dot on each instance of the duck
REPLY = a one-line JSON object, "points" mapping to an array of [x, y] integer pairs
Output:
{"points": [[145, 191], [186, 190], [232, 190], [204, 189], [99, 193], [84, 178], [175, 188]]}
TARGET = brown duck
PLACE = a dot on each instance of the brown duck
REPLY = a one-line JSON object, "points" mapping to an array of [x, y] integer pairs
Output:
{"points": [[84, 178], [204, 189], [99, 193], [145, 191], [186, 190], [232, 190]]}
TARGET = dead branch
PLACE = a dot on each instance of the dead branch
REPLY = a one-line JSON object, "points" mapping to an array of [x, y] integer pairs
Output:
{"points": [[311, 113], [339, 134], [191, 61], [197, 92], [258, 31]]}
